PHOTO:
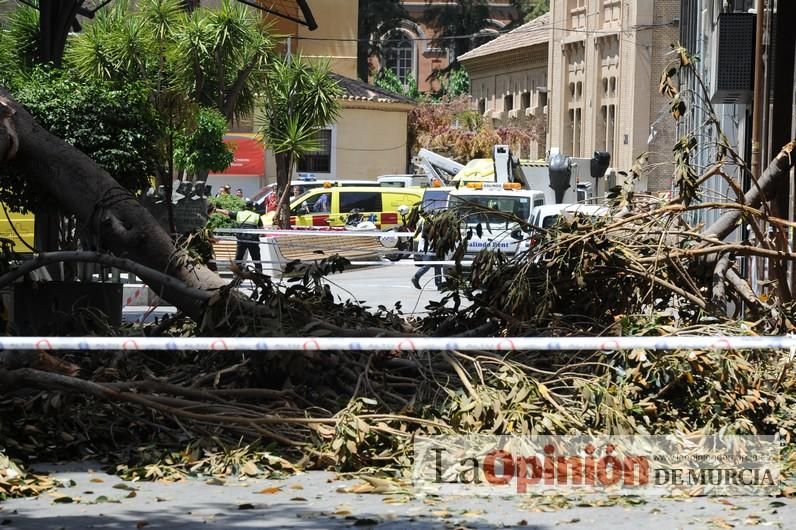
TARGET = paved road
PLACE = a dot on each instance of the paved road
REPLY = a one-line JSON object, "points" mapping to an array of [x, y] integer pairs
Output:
{"points": [[385, 284], [312, 501]]}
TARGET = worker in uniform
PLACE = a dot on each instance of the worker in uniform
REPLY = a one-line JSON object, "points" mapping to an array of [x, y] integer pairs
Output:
{"points": [[246, 219]]}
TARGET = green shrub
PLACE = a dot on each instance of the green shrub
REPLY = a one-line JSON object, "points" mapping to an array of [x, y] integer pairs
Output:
{"points": [[229, 202]]}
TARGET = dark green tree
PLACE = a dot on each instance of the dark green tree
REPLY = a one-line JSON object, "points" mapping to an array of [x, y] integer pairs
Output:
{"points": [[457, 25], [374, 17], [113, 126]]}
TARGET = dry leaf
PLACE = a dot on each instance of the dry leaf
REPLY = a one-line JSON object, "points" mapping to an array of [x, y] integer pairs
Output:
{"points": [[270, 491], [250, 469]]}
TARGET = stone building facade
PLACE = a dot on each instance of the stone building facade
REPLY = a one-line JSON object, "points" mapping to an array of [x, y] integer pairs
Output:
{"points": [[508, 81], [605, 61]]}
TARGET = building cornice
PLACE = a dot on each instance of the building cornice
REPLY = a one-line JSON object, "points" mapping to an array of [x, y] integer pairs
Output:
{"points": [[376, 105], [529, 58]]}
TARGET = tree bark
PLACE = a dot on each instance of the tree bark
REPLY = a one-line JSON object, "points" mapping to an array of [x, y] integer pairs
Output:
{"points": [[766, 184], [109, 213], [283, 171]]}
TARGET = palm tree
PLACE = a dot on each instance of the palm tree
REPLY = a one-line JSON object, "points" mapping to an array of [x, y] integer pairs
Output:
{"points": [[221, 57], [299, 99]]}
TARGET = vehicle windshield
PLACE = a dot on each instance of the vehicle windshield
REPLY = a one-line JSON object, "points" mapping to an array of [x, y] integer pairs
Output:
{"points": [[435, 200], [550, 221], [472, 207]]}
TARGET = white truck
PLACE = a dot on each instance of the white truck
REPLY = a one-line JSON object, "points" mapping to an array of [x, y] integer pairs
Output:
{"points": [[492, 206]]}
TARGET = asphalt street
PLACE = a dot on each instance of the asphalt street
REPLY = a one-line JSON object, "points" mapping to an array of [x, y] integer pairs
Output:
{"points": [[91, 499], [383, 284]]}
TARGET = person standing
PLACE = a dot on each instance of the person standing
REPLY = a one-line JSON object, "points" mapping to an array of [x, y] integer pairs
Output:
{"points": [[224, 190], [425, 254], [246, 219], [239, 193]]}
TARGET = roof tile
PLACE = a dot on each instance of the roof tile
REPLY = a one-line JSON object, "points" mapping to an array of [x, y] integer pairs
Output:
{"points": [[537, 31], [356, 90]]}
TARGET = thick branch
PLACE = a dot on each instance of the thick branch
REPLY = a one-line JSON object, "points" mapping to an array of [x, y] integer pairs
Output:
{"points": [[742, 288], [82, 188], [777, 170], [150, 276], [719, 272]]}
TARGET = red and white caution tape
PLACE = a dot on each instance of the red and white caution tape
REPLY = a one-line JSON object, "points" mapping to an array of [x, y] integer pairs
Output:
{"points": [[506, 344]]}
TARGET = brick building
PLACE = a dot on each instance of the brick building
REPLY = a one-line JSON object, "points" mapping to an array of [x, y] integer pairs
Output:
{"points": [[408, 49]]}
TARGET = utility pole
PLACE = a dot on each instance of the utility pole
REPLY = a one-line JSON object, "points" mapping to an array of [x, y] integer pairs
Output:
{"points": [[757, 99]]}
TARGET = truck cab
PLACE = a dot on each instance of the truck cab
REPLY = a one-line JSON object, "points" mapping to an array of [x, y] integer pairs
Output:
{"points": [[498, 209]]}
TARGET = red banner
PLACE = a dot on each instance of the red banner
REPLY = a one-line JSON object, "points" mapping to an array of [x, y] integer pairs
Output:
{"points": [[248, 155]]}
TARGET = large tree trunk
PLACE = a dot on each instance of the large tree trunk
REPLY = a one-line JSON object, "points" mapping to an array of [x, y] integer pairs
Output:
{"points": [[283, 171], [111, 216], [766, 184]]}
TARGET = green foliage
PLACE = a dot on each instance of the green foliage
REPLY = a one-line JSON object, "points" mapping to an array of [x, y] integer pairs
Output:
{"points": [[204, 148], [113, 126], [387, 80], [229, 202], [221, 57], [300, 98], [19, 42], [214, 58], [536, 9], [458, 83]]}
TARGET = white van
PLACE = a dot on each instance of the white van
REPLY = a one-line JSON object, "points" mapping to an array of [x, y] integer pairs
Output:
{"points": [[404, 181], [549, 215]]}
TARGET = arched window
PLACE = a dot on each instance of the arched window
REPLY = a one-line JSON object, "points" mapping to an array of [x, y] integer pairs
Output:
{"points": [[399, 54]]}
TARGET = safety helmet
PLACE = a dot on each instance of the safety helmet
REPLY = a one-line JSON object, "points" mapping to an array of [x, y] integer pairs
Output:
{"points": [[403, 209], [249, 204]]}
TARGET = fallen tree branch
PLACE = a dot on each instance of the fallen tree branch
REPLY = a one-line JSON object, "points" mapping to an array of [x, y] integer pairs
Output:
{"points": [[150, 276], [719, 295], [778, 168]]}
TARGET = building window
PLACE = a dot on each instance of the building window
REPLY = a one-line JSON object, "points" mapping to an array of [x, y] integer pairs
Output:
{"points": [[526, 100], [320, 160], [610, 128], [508, 102], [568, 133], [399, 52], [482, 106]]}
